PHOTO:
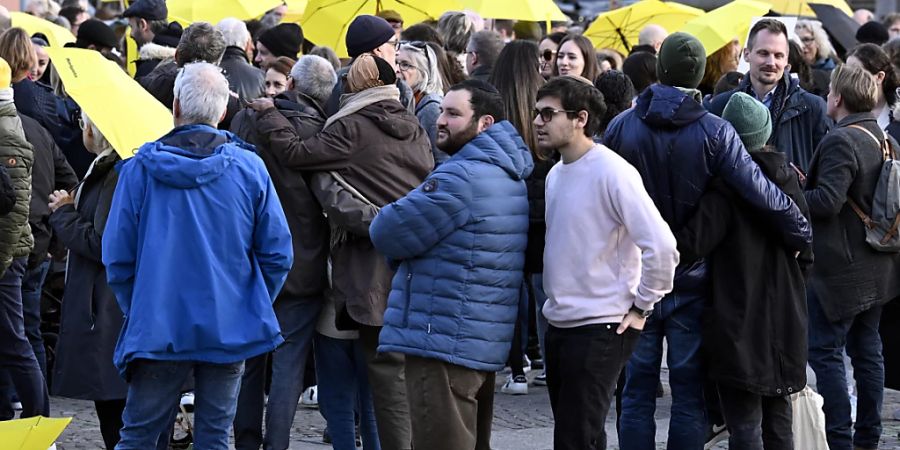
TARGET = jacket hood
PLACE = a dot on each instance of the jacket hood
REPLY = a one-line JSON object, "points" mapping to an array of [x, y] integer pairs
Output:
{"points": [[391, 118], [774, 165], [666, 106], [155, 51], [191, 155], [294, 101], [502, 146]]}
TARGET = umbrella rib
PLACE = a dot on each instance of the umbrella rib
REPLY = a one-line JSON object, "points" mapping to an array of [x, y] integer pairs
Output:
{"points": [[413, 7]]}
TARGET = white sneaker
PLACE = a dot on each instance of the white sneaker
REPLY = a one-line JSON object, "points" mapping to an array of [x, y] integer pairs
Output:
{"points": [[541, 379], [17, 406], [517, 385], [526, 364], [187, 401], [310, 397]]}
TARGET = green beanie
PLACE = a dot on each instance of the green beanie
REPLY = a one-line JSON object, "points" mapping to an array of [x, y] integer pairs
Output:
{"points": [[751, 120], [681, 62]]}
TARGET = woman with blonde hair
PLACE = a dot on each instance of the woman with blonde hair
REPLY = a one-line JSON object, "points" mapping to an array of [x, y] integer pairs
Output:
{"points": [[718, 63], [418, 66], [817, 49]]}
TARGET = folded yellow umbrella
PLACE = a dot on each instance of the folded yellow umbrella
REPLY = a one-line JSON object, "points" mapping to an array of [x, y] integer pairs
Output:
{"points": [[126, 114], [801, 7], [530, 10], [325, 22], [720, 26], [187, 12], [618, 29], [33, 433], [56, 35]]}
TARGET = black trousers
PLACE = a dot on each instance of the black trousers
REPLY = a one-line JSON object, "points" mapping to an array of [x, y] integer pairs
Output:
{"points": [[583, 365], [109, 413], [756, 422]]}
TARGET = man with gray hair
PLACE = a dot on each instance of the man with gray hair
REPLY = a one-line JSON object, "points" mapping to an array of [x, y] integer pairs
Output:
{"points": [[481, 53], [650, 39], [196, 249], [246, 81], [298, 306]]}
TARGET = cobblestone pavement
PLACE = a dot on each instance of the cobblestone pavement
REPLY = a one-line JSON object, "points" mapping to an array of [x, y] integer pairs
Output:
{"points": [[520, 422]]}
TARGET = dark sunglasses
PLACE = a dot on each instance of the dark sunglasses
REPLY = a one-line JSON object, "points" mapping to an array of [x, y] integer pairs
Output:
{"points": [[548, 113], [422, 46], [548, 55]]}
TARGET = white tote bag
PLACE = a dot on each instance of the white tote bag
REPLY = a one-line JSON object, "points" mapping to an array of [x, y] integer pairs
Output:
{"points": [[809, 420]]}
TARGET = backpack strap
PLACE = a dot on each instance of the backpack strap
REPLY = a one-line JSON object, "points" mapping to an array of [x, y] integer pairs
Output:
{"points": [[886, 154]]}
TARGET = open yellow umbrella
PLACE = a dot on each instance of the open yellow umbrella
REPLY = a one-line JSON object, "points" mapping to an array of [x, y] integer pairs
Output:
{"points": [[57, 36], [126, 114], [530, 10], [33, 433], [801, 7], [187, 12], [295, 10], [618, 29], [325, 22], [720, 26]]}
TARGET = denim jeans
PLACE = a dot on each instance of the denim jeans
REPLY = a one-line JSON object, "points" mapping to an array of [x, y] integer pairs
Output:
{"points": [[756, 422], [540, 297], [153, 393], [827, 340], [678, 319], [344, 392], [297, 318], [32, 284], [17, 359]]}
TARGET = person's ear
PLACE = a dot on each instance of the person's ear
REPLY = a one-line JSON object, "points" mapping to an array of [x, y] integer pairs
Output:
{"points": [[582, 119], [290, 84], [176, 109], [879, 77], [747, 55], [223, 116], [143, 24], [485, 122]]}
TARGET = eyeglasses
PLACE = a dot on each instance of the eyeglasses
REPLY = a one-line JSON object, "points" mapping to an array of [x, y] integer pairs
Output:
{"points": [[808, 40], [395, 43], [420, 46], [405, 66], [548, 55], [548, 113]]}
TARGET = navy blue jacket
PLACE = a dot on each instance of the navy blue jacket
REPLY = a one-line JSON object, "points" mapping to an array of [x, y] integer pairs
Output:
{"points": [[678, 147], [460, 241]]}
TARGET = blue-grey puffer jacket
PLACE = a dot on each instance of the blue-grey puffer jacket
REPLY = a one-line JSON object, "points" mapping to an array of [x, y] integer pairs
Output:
{"points": [[459, 240], [678, 147]]}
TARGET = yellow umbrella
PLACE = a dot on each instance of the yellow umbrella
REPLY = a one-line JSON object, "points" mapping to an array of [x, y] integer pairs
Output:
{"points": [[618, 29], [801, 7], [530, 10], [720, 26], [325, 22], [33, 433], [126, 114], [295, 10], [187, 12], [56, 35]]}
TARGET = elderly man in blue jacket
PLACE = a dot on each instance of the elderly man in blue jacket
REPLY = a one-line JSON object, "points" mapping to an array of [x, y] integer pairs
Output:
{"points": [[196, 249], [459, 243]]}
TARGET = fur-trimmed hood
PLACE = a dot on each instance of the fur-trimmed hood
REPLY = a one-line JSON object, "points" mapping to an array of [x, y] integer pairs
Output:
{"points": [[155, 51]]}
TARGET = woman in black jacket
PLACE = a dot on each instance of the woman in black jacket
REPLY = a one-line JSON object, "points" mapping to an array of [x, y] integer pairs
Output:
{"points": [[91, 319]]}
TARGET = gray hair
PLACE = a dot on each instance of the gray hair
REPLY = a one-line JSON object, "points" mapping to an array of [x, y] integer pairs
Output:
{"points": [[327, 53], [488, 45], [455, 29], [425, 61], [822, 43], [99, 139], [314, 76], [234, 31], [200, 42], [202, 93], [652, 34]]}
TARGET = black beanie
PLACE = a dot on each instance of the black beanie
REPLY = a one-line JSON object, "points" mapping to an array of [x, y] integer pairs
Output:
{"points": [[681, 61], [283, 40], [366, 33], [872, 33], [170, 36], [97, 33]]}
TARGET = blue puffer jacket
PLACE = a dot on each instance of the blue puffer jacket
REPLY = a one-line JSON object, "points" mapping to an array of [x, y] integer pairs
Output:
{"points": [[460, 240], [196, 248], [678, 147]]}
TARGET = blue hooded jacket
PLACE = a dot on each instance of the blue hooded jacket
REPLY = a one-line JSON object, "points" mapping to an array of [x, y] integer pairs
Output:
{"points": [[460, 242], [678, 147], [196, 248]]}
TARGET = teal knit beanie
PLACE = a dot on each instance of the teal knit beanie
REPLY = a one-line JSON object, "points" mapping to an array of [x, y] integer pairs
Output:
{"points": [[750, 118], [681, 62]]}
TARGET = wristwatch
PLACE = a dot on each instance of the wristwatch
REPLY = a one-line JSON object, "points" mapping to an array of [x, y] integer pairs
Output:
{"points": [[645, 313]]}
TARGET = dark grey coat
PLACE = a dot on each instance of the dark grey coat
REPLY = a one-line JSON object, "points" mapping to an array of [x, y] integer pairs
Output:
{"points": [[91, 318], [848, 276]]}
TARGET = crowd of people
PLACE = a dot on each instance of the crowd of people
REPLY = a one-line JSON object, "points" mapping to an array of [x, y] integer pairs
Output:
{"points": [[383, 235]]}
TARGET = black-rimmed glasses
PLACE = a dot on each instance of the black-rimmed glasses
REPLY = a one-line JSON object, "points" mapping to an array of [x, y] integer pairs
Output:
{"points": [[548, 113]]}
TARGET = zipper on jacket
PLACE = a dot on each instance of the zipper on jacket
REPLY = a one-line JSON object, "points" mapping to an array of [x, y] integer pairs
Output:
{"points": [[408, 299]]}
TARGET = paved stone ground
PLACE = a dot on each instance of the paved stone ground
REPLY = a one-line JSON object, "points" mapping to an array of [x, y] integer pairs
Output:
{"points": [[520, 422]]}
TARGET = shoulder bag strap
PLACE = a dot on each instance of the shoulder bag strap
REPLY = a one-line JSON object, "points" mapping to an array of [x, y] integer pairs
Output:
{"points": [[881, 144]]}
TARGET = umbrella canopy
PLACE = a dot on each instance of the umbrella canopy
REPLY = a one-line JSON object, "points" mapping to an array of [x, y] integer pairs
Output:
{"points": [[187, 12], [32, 433], [295, 10], [126, 114], [530, 10], [325, 22], [56, 35], [840, 27], [720, 26], [802, 8], [618, 29]]}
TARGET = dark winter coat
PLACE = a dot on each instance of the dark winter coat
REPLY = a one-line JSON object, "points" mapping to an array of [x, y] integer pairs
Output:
{"points": [[51, 172], [755, 326], [246, 81], [800, 125], [18, 156], [849, 276], [383, 153], [678, 147], [91, 320], [537, 226], [309, 229]]}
